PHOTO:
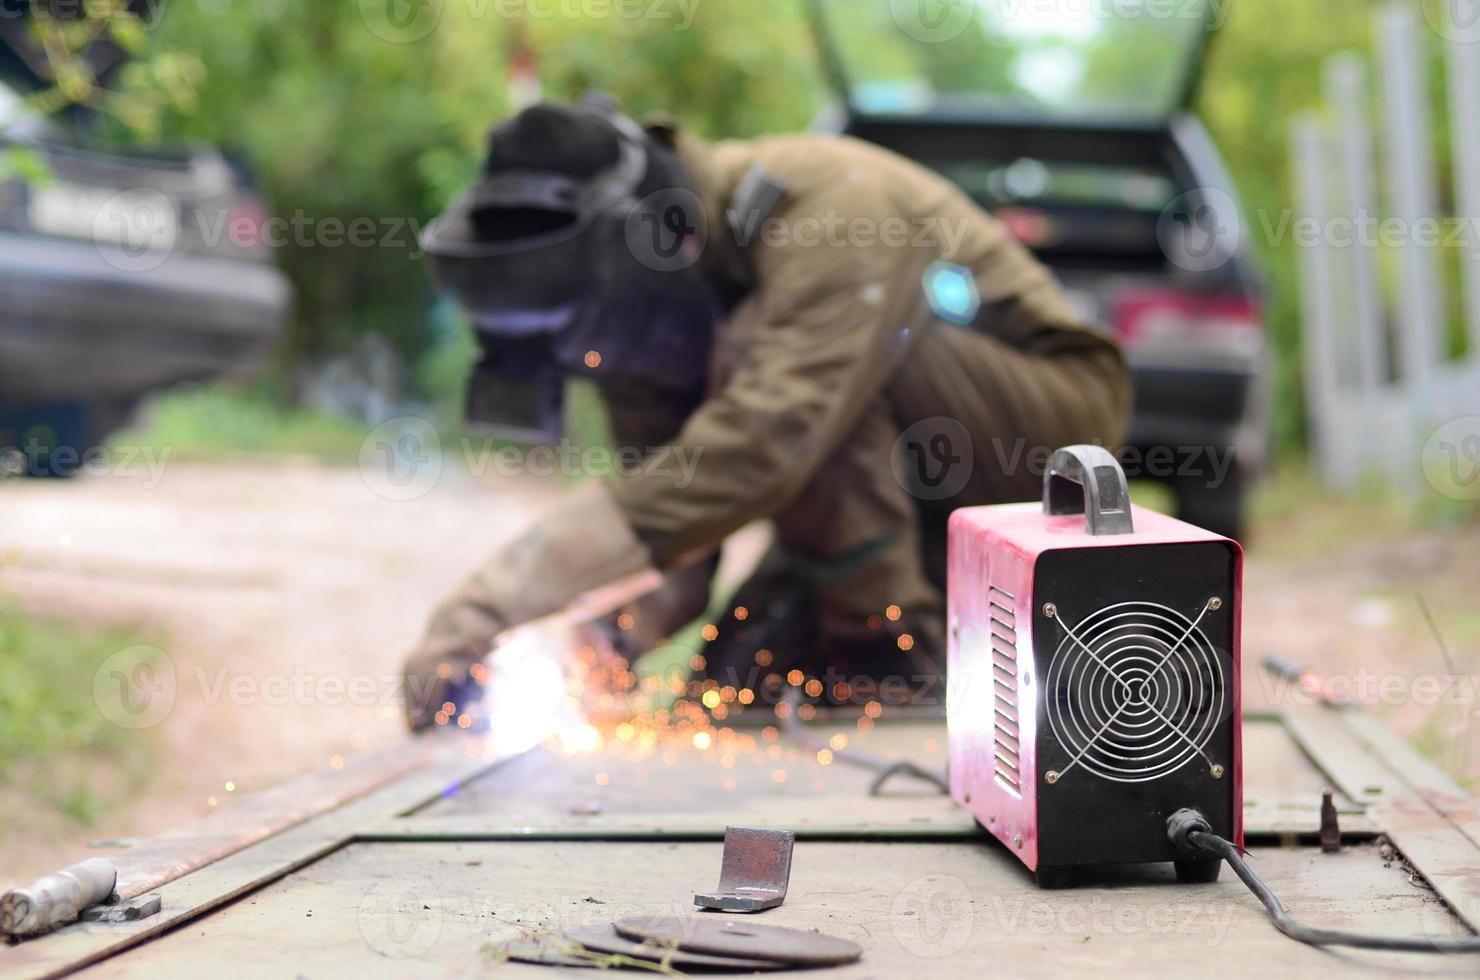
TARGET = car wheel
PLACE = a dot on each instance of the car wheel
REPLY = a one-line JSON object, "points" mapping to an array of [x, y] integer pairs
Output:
{"points": [[49, 442], [57, 442]]}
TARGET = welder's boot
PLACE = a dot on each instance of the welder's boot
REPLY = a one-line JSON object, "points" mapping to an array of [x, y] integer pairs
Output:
{"points": [[768, 628], [778, 640]]}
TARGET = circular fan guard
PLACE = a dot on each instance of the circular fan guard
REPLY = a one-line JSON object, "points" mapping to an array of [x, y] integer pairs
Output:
{"points": [[1134, 692]]}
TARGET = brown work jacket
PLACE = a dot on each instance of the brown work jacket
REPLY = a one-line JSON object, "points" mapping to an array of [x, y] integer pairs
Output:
{"points": [[834, 353]]}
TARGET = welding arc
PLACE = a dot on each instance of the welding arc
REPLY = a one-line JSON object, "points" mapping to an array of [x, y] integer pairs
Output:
{"points": [[1323, 937], [887, 769]]}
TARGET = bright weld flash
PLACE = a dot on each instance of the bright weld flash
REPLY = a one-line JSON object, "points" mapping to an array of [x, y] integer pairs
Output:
{"points": [[525, 700]]}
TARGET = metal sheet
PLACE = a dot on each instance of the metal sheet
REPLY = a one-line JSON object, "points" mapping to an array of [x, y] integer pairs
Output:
{"points": [[938, 910], [1429, 818], [147, 864], [551, 881], [627, 778], [864, 818], [235, 875], [690, 792]]}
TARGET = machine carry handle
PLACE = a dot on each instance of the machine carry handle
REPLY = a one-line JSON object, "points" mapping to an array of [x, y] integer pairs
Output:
{"points": [[1088, 480]]}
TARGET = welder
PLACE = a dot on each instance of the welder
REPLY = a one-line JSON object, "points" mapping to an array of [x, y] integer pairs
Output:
{"points": [[839, 340]]}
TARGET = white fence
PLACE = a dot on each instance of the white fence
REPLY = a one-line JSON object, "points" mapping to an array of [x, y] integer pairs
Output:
{"points": [[1382, 393]]}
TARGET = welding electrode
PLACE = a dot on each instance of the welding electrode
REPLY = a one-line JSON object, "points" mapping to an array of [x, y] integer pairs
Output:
{"points": [[58, 898]]}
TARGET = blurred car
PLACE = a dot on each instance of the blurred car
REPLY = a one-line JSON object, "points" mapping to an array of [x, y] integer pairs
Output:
{"points": [[122, 270], [1076, 130]]}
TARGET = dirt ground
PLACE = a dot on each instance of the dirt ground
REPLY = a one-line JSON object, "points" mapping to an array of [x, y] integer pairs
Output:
{"points": [[286, 593]]}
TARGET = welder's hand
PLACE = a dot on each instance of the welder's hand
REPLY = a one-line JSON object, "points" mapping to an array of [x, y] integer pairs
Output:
{"points": [[580, 541], [644, 624], [441, 669]]}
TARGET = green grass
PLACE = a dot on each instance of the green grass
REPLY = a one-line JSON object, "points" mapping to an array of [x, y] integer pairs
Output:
{"points": [[212, 423], [57, 747]]}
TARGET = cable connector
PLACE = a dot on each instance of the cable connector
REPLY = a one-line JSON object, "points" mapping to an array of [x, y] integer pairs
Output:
{"points": [[1182, 825]]}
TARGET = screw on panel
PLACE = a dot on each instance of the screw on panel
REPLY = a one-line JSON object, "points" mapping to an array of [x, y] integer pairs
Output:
{"points": [[1217, 771], [1215, 604], [1017, 840], [1051, 777], [1050, 610]]}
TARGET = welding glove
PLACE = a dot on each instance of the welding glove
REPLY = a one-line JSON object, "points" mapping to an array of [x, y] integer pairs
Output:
{"points": [[643, 625], [577, 543]]}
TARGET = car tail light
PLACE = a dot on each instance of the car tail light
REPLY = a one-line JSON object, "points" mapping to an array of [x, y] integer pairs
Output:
{"points": [[244, 225], [1228, 322], [1030, 226]]}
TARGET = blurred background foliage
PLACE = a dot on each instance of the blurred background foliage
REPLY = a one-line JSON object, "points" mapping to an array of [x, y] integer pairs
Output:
{"points": [[338, 121]]}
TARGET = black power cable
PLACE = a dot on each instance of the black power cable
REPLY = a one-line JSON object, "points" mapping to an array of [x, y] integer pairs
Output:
{"points": [[1191, 832]]}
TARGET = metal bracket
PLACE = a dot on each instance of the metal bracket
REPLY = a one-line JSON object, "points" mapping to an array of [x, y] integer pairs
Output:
{"points": [[754, 871], [126, 910]]}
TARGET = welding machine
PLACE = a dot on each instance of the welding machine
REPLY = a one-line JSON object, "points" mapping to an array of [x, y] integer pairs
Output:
{"points": [[1093, 684]]}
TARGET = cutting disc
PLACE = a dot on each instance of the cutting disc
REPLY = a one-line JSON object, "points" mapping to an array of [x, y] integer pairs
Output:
{"points": [[606, 939], [549, 952], [743, 938]]}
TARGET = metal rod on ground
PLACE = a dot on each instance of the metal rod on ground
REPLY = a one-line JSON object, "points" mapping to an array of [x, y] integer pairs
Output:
{"points": [[887, 769], [57, 898]]}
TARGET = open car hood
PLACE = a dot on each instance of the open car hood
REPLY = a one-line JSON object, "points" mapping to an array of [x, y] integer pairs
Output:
{"points": [[1135, 62]]}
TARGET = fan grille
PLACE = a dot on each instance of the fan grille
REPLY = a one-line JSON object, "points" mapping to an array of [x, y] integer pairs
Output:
{"points": [[1135, 691]]}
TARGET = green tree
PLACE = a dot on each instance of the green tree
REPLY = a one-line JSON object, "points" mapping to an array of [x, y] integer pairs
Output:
{"points": [[342, 121]]}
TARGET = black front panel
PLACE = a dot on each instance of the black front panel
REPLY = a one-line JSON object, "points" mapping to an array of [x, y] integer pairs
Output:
{"points": [[1134, 685]]}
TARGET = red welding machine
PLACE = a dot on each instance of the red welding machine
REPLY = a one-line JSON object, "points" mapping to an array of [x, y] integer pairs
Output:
{"points": [[1094, 674]]}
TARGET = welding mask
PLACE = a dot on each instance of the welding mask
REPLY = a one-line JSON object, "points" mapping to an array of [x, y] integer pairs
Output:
{"points": [[575, 254]]}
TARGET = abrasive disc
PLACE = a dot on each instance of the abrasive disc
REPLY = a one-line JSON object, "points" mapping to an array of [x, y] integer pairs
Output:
{"points": [[548, 952], [606, 939], [723, 935]]}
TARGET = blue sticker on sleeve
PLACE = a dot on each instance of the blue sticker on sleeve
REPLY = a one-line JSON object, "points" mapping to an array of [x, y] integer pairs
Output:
{"points": [[951, 290]]}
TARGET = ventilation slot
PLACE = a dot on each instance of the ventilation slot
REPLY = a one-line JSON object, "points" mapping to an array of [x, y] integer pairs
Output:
{"points": [[1005, 745]]}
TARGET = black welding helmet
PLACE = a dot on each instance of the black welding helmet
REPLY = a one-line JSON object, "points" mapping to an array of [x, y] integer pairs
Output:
{"points": [[575, 253]]}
